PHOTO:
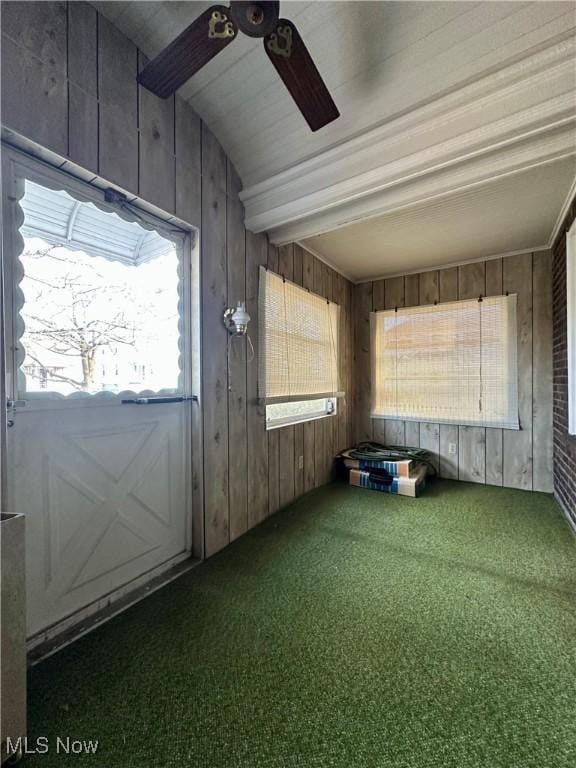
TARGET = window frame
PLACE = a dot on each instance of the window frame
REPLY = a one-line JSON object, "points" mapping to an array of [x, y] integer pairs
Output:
{"points": [[19, 167], [288, 421]]}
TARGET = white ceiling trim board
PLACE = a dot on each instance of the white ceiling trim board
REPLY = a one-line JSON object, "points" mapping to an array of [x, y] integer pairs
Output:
{"points": [[443, 182], [313, 215], [530, 98], [451, 264], [508, 132]]}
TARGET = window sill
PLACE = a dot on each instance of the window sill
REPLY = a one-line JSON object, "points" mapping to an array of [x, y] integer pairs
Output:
{"points": [[296, 420]]}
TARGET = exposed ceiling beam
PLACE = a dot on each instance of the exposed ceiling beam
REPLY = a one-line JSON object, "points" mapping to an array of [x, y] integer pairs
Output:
{"points": [[511, 120]]}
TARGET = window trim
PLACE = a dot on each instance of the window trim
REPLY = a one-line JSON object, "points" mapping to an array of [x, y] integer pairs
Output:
{"points": [[571, 325], [288, 421]]}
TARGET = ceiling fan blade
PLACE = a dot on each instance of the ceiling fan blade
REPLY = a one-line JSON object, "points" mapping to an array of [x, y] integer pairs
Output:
{"points": [[212, 31], [286, 50]]}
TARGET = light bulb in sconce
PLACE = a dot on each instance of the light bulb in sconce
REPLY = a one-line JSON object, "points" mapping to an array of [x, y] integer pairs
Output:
{"points": [[236, 320]]}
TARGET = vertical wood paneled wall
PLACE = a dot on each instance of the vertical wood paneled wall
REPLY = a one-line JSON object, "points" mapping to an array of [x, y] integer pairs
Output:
{"points": [[515, 459], [69, 86]]}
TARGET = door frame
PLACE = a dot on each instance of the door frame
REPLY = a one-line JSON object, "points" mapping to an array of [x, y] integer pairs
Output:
{"points": [[18, 165]]}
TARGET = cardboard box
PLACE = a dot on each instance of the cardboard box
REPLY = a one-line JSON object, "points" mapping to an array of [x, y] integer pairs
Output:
{"points": [[403, 486], [400, 468]]}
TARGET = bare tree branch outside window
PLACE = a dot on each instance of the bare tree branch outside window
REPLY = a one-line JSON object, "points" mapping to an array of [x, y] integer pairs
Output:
{"points": [[79, 313]]}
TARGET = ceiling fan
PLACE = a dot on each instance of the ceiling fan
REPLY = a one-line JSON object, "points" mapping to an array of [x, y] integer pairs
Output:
{"points": [[216, 28]]}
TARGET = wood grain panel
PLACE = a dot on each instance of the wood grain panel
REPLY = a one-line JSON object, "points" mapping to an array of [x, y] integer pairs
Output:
{"points": [[430, 441], [256, 256], [472, 454], [542, 373], [309, 430], [298, 257], [472, 280], [188, 171], [494, 277], [274, 434], [286, 434], [494, 437], [448, 457], [412, 299], [352, 380], [157, 162], [378, 295], [320, 439], [197, 426], [237, 351], [332, 422], [351, 377], [472, 440], [517, 278], [378, 303], [429, 288], [448, 289], [82, 128], [412, 433], [187, 134], [342, 405], [40, 28], [411, 290], [117, 71], [83, 85], [429, 437], [328, 423], [214, 345], [157, 175], [448, 284], [83, 47], [362, 309], [118, 117], [43, 85], [394, 296]]}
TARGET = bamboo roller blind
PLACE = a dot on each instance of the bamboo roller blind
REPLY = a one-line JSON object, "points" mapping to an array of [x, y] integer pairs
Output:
{"points": [[453, 363], [298, 333]]}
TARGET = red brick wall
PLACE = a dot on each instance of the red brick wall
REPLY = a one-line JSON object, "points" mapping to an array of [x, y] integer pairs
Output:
{"points": [[564, 444]]}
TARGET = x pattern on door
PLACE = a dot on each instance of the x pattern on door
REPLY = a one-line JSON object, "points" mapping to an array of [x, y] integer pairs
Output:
{"points": [[108, 499]]}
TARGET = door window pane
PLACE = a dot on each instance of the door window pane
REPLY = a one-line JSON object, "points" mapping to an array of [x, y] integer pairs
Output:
{"points": [[101, 300]]}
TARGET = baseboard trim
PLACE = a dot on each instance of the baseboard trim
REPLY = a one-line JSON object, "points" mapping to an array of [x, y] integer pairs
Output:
{"points": [[64, 633]]}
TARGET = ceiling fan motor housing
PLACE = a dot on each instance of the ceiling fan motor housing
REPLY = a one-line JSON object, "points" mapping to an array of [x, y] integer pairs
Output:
{"points": [[253, 18]]}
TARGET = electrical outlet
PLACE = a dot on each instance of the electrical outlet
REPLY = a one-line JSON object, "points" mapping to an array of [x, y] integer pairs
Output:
{"points": [[452, 448], [300, 462]]}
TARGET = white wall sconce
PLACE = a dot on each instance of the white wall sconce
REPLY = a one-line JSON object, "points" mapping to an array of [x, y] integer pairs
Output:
{"points": [[236, 320]]}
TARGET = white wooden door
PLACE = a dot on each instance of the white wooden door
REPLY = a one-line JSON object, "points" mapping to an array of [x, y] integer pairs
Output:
{"points": [[99, 417], [104, 489]]}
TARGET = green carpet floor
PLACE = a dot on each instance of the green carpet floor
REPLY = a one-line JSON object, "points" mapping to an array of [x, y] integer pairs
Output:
{"points": [[352, 629]]}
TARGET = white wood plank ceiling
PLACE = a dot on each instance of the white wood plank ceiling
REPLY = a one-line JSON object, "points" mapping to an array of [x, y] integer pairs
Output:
{"points": [[514, 213], [444, 79]]}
